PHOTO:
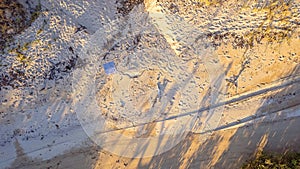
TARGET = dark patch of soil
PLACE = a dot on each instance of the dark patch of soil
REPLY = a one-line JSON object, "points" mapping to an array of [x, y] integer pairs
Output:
{"points": [[127, 5], [14, 18]]}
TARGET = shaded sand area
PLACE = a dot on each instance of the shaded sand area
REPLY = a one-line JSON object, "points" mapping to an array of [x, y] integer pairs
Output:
{"points": [[197, 84], [223, 149]]}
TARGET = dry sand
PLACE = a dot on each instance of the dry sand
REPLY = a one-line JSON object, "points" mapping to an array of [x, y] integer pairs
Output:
{"points": [[253, 67]]}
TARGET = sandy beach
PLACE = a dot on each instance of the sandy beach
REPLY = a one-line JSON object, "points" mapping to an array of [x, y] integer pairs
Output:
{"points": [[149, 84]]}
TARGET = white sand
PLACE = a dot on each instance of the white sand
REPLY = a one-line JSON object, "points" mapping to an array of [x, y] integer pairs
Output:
{"points": [[44, 125]]}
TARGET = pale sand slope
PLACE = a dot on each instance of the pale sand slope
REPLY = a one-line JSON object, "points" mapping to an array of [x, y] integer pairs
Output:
{"points": [[264, 96], [224, 149]]}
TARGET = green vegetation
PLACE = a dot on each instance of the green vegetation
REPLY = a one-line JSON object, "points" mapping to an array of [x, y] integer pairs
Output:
{"points": [[274, 161]]}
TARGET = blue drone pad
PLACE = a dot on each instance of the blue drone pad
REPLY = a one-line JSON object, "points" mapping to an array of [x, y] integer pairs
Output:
{"points": [[109, 67]]}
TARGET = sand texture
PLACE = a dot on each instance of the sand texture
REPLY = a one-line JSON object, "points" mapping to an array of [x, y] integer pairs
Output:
{"points": [[194, 84]]}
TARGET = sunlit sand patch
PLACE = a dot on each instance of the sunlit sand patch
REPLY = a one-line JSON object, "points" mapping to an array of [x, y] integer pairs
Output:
{"points": [[125, 100]]}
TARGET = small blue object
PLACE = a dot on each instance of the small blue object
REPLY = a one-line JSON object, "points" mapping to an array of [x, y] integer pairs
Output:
{"points": [[109, 67]]}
